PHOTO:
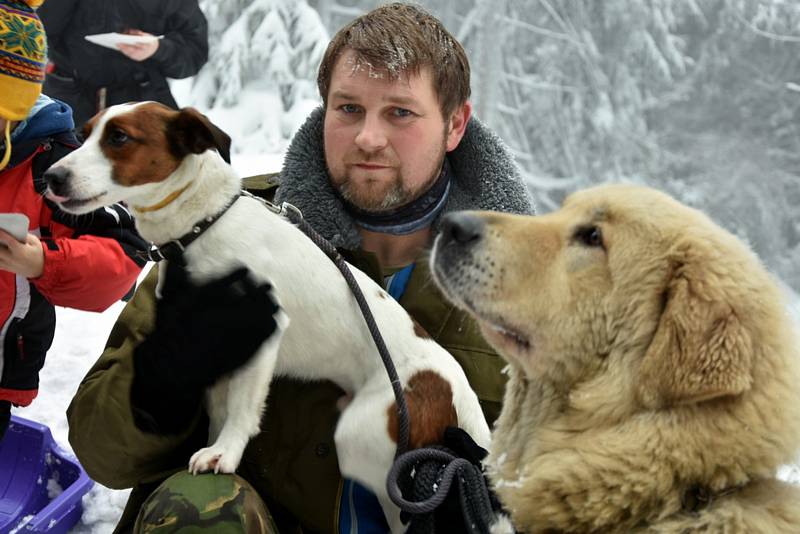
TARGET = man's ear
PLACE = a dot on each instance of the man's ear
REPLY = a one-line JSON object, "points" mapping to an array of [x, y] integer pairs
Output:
{"points": [[190, 132], [701, 350], [457, 125]]}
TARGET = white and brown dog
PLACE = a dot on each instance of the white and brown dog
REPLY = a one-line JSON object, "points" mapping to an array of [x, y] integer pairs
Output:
{"points": [[167, 166]]}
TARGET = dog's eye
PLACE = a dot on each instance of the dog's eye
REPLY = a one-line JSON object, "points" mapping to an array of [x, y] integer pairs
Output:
{"points": [[117, 138], [590, 236]]}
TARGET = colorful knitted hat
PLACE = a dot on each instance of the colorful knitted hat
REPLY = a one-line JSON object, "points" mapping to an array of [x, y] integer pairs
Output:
{"points": [[23, 57]]}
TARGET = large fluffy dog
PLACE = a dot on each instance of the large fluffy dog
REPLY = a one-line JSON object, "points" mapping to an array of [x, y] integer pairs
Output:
{"points": [[653, 369], [163, 163]]}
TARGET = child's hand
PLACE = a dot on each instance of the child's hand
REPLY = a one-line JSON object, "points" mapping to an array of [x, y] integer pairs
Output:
{"points": [[25, 259]]}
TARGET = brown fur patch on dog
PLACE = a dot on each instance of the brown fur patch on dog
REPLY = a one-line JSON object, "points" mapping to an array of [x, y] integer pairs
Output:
{"points": [[429, 398], [419, 331], [145, 156]]}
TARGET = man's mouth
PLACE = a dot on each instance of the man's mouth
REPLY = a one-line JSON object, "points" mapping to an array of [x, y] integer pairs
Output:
{"points": [[370, 166]]}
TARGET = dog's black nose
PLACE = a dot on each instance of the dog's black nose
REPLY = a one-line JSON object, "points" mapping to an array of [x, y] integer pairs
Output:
{"points": [[462, 228], [56, 179]]}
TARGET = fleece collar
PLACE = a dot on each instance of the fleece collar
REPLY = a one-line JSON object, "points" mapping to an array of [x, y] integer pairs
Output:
{"points": [[485, 177]]}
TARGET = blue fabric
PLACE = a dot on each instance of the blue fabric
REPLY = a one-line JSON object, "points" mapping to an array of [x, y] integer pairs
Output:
{"points": [[399, 280], [360, 511], [47, 117]]}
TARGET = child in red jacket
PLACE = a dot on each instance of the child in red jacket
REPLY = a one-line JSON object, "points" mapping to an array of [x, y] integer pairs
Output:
{"points": [[85, 262]]}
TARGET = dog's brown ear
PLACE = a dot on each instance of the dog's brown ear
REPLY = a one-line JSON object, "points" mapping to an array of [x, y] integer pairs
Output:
{"points": [[700, 350], [190, 132]]}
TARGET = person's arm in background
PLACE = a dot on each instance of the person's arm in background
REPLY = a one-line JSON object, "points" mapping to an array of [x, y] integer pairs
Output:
{"points": [[90, 261], [184, 48]]}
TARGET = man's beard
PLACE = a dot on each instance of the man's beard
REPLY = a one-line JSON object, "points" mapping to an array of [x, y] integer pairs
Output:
{"points": [[366, 198]]}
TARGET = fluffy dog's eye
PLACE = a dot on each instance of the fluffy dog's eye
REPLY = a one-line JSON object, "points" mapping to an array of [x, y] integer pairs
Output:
{"points": [[117, 138], [590, 236]]}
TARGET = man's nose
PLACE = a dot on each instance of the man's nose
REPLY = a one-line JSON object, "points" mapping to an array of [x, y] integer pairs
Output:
{"points": [[372, 135]]}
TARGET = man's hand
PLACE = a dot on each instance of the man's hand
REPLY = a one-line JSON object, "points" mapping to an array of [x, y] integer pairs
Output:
{"points": [[141, 51], [25, 259]]}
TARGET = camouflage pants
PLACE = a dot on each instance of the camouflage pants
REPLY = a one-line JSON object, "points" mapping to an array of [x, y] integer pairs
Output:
{"points": [[187, 504]]}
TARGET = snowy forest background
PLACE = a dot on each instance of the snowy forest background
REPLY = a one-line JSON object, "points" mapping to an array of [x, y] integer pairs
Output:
{"points": [[700, 98]]}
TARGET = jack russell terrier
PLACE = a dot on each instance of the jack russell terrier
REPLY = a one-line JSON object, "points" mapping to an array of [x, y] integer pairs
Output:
{"points": [[167, 166]]}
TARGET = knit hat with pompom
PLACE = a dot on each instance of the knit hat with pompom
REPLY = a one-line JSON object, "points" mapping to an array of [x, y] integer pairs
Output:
{"points": [[23, 57]]}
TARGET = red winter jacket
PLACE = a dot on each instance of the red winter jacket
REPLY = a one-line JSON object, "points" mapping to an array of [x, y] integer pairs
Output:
{"points": [[89, 264]]}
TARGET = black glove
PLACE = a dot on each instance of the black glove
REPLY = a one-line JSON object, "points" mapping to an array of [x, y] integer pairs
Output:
{"points": [[470, 505], [473, 503], [201, 334]]}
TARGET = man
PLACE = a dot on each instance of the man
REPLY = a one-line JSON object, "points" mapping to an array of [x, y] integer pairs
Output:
{"points": [[90, 77], [81, 262], [393, 148]]}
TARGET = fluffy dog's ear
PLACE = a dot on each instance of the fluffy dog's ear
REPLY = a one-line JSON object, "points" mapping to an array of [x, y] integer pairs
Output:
{"points": [[700, 350], [190, 132]]}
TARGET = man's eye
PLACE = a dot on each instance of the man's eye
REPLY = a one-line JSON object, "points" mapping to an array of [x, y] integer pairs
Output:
{"points": [[400, 112], [118, 138], [589, 236], [349, 108]]}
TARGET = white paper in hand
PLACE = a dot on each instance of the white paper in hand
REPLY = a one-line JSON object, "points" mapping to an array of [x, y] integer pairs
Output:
{"points": [[15, 224], [111, 40]]}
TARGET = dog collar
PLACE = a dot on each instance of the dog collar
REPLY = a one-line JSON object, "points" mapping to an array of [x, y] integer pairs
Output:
{"points": [[165, 202], [173, 250]]}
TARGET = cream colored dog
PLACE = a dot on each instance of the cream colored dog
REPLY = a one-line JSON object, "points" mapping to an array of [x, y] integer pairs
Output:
{"points": [[654, 381]]}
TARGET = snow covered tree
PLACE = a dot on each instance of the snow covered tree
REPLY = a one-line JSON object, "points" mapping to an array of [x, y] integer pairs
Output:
{"points": [[260, 79], [278, 42]]}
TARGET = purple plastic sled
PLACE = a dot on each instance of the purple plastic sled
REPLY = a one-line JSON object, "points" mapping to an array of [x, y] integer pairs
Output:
{"points": [[41, 485]]}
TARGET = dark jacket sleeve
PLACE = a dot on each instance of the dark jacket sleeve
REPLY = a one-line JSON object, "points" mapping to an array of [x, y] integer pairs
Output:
{"points": [[184, 48], [56, 17], [101, 430]]}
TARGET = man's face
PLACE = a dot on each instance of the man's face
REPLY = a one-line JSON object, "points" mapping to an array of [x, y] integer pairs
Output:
{"points": [[385, 139]]}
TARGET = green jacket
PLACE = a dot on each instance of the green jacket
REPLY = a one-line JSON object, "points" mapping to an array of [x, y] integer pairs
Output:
{"points": [[292, 462]]}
